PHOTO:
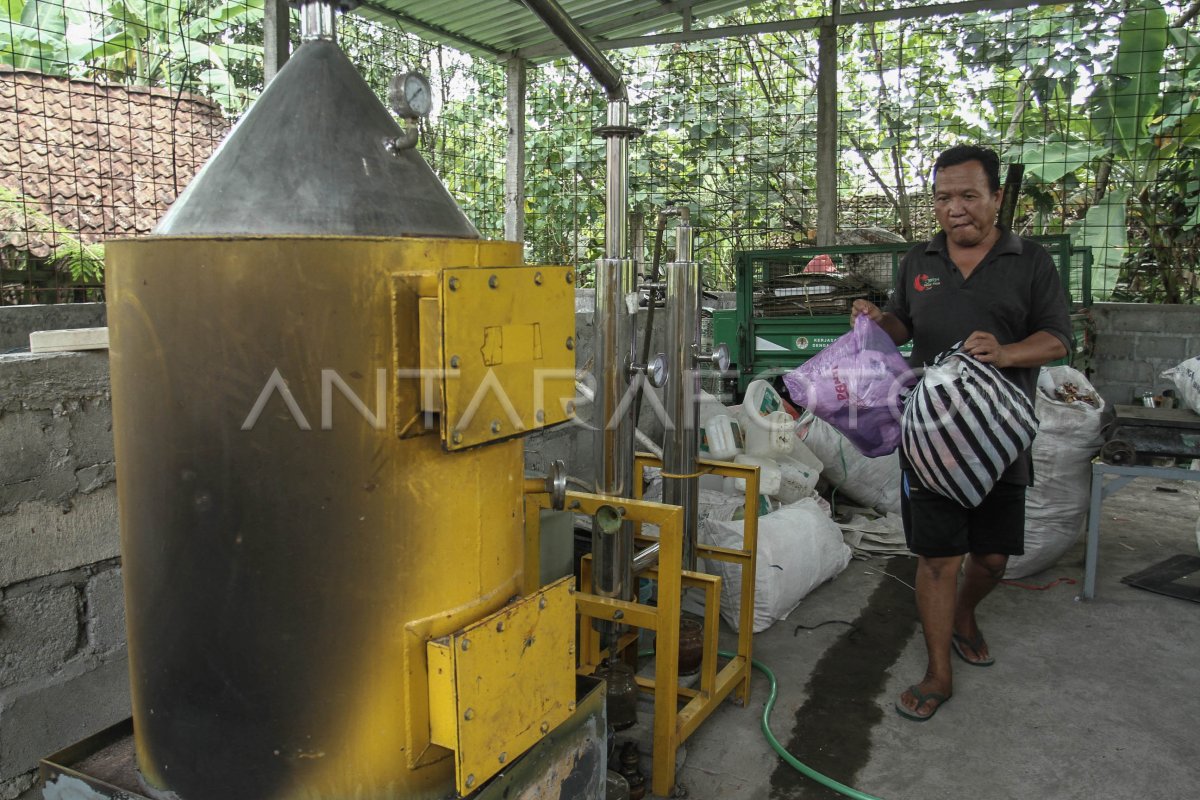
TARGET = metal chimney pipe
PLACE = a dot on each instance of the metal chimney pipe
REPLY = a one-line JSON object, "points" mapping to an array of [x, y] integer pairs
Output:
{"points": [[616, 313], [561, 25], [318, 20], [616, 219], [614, 351], [681, 486]]}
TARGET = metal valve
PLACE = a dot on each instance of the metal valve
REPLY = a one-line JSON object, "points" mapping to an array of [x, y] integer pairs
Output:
{"points": [[655, 371]]}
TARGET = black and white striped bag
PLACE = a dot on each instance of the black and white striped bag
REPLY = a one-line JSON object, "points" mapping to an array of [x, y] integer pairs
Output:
{"points": [[964, 425]]}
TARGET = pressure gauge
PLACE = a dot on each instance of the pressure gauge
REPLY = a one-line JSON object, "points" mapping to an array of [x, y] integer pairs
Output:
{"points": [[410, 95]]}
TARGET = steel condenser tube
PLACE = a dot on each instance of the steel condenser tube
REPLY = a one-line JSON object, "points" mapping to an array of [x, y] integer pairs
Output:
{"points": [[682, 394], [616, 318], [616, 310], [616, 219], [616, 307]]}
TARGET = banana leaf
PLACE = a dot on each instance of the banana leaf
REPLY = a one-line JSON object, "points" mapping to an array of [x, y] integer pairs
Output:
{"points": [[1122, 105]]}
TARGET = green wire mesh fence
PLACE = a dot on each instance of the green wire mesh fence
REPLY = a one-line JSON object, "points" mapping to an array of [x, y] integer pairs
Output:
{"points": [[108, 108], [464, 138], [1096, 100]]}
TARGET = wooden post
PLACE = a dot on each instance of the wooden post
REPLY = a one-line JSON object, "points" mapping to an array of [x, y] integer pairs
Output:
{"points": [[827, 132], [514, 164], [276, 37]]}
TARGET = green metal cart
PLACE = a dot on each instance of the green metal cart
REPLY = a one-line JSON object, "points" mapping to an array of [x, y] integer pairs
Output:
{"points": [[768, 334]]}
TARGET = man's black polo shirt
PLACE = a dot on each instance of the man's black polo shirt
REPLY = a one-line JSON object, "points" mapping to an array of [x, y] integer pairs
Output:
{"points": [[1013, 293]]}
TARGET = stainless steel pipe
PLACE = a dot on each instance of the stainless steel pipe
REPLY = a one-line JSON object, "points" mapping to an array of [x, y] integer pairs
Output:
{"points": [[612, 418], [616, 209], [646, 558], [318, 20], [614, 358], [585, 391], [681, 486], [616, 314], [561, 25]]}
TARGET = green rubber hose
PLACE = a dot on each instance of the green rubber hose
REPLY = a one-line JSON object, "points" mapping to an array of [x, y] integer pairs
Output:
{"points": [[792, 761]]}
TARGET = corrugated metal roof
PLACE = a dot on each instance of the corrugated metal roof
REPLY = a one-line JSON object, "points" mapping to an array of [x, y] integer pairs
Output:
{"points": [[499, 28]]}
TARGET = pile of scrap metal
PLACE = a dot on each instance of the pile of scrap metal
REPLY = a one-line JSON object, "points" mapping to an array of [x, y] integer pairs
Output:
{"points": [[809, 293]]}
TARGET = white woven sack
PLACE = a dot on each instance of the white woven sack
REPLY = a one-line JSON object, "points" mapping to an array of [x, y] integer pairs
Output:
{"points": [[1057, 504], [1187, 382], [869, 482], [799, 548], [964, 424]]}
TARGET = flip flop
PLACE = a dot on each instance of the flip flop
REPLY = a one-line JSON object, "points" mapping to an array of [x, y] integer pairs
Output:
{"points": [[958, 641], [922, 698]]}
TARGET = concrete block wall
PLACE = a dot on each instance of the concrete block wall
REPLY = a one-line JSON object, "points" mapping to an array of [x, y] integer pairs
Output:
{"points": [[1135, 342], [17, 322], [63, 668]]}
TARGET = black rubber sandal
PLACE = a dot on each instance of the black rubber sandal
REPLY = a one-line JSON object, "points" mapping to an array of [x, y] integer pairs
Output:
{"points": [[958, 642], [922, 698]]}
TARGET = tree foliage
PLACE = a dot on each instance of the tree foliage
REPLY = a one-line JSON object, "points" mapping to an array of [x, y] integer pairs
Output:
{"points": [[201, 46], [1098, 99], [20, 220]]}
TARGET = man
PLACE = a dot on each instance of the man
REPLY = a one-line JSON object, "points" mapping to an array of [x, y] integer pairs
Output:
{"points": [[1000, 294]]}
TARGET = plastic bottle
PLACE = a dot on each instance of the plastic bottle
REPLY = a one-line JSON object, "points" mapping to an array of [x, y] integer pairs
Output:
{"points": [[721, 438], [769, 476], [797, 480], [768, 436], [802, 453], [762, 399]]}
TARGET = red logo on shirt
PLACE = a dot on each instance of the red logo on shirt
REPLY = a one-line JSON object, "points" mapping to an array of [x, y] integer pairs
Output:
{"points": [[923, 282]]}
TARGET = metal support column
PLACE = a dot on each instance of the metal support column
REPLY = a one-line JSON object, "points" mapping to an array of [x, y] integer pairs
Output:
{"points": [[827, 131], [681, 487], [514, 163], [276, 37]]}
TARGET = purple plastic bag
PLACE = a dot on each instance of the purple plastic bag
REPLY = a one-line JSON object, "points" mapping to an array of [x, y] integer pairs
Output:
{"points": [[857, 385]]}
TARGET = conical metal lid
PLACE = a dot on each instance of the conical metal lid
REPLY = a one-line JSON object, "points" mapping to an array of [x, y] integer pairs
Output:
{"points": [[312, 157]]}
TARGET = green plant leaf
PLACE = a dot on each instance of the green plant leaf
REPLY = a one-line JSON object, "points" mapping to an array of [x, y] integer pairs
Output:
{"points": [[1049, 162], [90, 50], [217, 20], [1103, 230], [1123, 104], [12, 8]]}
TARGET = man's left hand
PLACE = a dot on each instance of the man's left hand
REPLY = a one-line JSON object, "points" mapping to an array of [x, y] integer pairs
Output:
{"points": [[982, 346]]}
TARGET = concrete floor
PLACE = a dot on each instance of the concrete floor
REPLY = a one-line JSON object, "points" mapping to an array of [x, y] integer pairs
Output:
{"points": [[1090, 700]]}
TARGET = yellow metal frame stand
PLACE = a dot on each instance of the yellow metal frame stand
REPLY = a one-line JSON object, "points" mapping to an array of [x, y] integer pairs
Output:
{"points": [[672, 724]]}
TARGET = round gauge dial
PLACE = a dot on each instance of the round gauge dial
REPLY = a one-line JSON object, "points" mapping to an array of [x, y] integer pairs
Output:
{"points": [[410, 95]]}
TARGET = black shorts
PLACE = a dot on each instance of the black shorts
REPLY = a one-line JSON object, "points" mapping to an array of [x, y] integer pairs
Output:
{"points": [[937, 527]]}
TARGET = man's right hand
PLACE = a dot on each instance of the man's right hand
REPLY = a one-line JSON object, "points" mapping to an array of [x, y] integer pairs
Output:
{"points": [[866, 307], [891, 326]]}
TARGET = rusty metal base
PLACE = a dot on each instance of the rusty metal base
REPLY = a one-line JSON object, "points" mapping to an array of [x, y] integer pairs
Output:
{"points": [[103, 765], [571, 761]]}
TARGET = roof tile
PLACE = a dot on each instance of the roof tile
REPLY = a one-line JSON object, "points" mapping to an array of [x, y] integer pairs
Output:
{"points": [[96, 158]]}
